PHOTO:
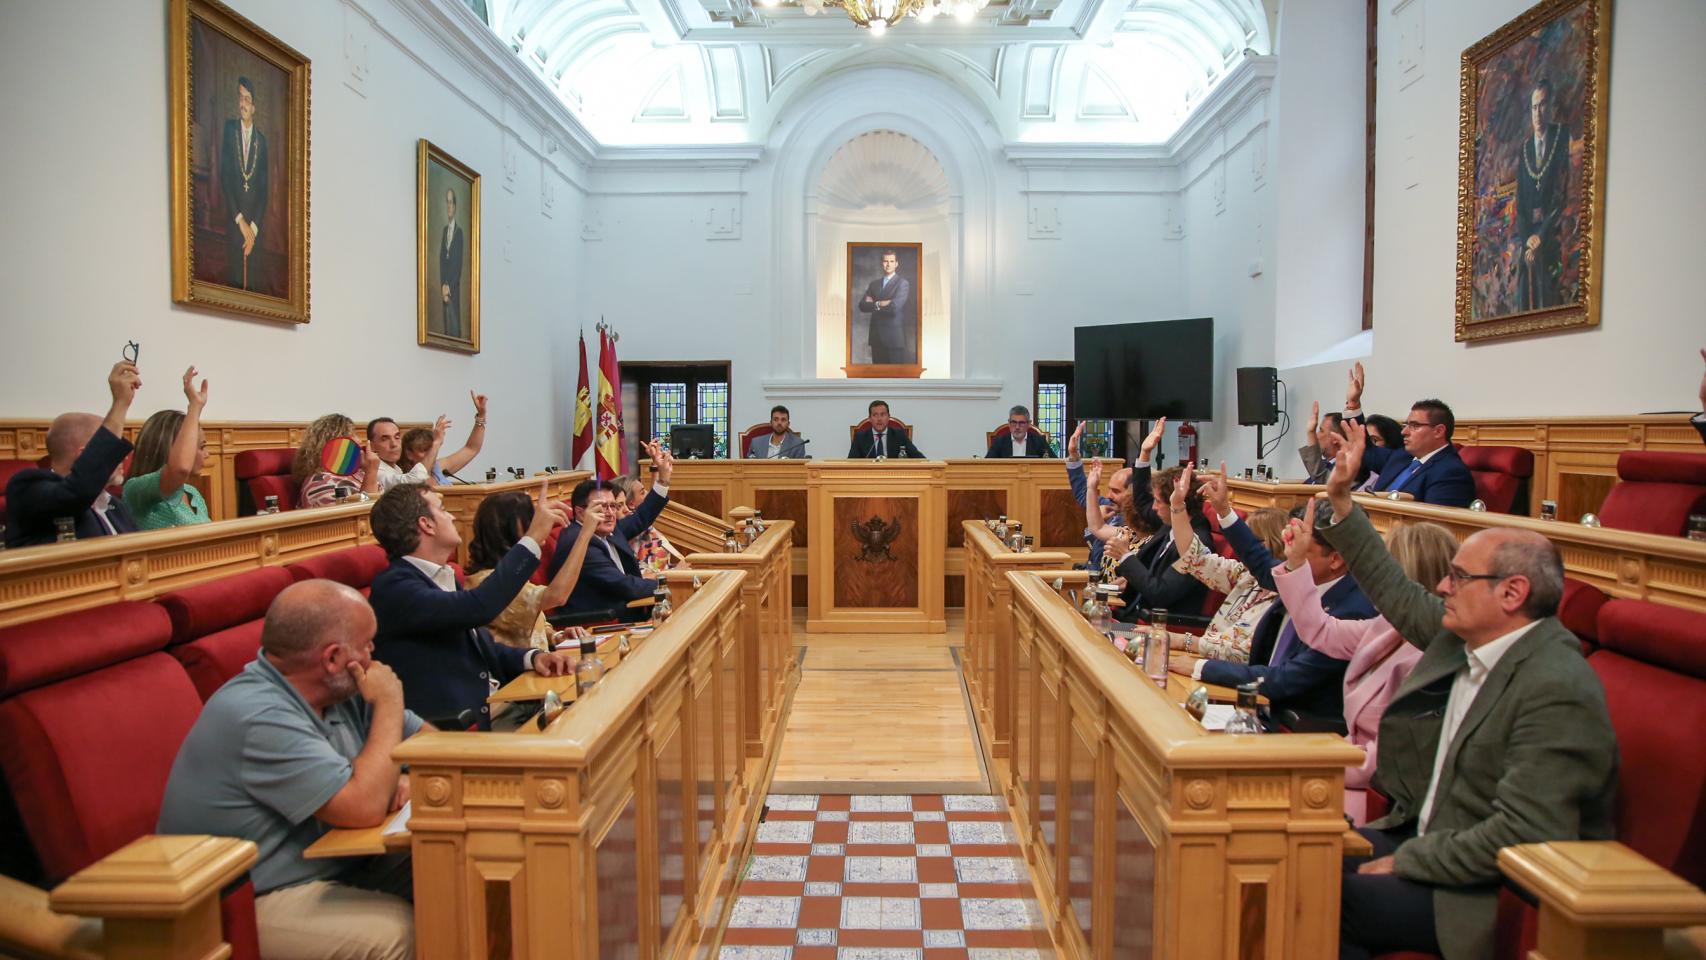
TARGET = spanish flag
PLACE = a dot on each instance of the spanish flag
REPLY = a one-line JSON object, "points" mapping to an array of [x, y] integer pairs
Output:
{"points": [[582, 456], [609, 439]]}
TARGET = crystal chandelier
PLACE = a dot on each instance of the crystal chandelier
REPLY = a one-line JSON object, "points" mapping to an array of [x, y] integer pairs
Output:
{"points": [[879, 15]]}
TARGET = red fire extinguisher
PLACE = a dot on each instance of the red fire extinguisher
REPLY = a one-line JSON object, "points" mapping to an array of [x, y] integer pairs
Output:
{"points": [[1187, 443]]}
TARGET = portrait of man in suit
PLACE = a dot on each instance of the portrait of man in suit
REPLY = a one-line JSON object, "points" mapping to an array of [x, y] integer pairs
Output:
{"points": [[450, 268], [448, 235], [883, 306]]}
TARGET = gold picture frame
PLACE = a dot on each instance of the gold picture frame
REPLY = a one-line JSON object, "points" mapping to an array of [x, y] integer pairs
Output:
{"points": [[239, 164], [1531, 166], [447, 256]]}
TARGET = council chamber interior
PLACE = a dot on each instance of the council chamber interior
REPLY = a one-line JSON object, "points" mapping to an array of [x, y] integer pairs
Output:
{"points": [[852, 480]]}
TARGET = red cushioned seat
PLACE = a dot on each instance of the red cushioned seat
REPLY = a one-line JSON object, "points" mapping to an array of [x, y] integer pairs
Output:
{"points": [[261, 473], [1656, 492], [1501, 476], [352, 566], [216, 627], [1579, 611]]}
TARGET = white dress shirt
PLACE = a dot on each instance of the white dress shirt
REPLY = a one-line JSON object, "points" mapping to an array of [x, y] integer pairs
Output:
{"points": [[444, 578], [391, 475], [100, 506], [1479, 662], [1019, 444], [776, 446]]}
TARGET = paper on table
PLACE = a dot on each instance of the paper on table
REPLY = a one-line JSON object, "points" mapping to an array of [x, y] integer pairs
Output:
{"points": [[1217, 715], [399, 821]]}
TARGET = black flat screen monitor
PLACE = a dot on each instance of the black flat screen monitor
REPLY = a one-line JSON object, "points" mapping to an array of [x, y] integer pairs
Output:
{"points": [[1140, 371], [693, 441]]}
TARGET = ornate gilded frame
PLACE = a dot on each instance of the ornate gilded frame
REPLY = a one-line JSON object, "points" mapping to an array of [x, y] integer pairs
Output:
{"points": [[426, 152], [1596, 72], [902, 370], [186, 289]]}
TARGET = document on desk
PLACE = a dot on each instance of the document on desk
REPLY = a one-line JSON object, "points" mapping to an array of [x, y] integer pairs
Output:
{"points": [[399, 821], [1214, 718]]}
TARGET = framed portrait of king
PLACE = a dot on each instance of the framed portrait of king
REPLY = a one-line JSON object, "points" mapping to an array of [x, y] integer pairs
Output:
{"points": [[1531, 172], [447, 251], [239, 165], [884, 307]]}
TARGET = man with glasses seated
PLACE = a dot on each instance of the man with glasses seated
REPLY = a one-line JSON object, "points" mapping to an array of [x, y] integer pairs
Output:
{"points": [[1428, 468], [1499, 736], [1021, 440]]}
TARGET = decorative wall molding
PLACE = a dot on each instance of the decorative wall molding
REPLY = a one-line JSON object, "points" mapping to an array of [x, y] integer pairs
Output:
{"points": [[841, 389], [1407, 17]]}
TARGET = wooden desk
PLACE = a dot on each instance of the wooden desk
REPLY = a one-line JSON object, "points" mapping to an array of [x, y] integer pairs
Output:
{"points": [[357, 842], [877, 546]]}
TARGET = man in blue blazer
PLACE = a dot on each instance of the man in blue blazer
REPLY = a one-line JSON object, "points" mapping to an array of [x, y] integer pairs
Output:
{"points": [[1021, 440], [611, 574], [1294, 675], [431, 632], [86, 455], [1428, 468]]}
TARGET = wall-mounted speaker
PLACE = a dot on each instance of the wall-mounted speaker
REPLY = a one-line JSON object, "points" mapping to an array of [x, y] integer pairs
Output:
{"points": [[1258, 396]]}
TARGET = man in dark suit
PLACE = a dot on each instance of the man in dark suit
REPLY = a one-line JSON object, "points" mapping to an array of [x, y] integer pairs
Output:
{"points": [[882, 438], [611, 575], [243, 183], [1323, 446], [432, 632], [1428, 467], [450, 269], [1294, 675], [1151, 580], [1499, 736], [85, 456], [886, 299], [1021, 440]]}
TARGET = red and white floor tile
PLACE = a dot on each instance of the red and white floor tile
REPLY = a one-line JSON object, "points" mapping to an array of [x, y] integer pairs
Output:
{"points": [[886, 878]]}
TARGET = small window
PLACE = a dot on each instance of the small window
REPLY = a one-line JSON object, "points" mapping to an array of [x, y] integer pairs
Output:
{"points": [[714, 409], [668, 408]]}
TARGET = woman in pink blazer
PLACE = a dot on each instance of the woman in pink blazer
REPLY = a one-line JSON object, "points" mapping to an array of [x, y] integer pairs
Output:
{"points": [[1379, 657]]}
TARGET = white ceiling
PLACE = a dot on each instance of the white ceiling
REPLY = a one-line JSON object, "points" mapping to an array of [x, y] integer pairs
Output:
{"points": [[722, 71]]}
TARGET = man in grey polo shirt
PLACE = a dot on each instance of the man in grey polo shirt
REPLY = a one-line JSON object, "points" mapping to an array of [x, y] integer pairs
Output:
{"points": [[286, 750]]}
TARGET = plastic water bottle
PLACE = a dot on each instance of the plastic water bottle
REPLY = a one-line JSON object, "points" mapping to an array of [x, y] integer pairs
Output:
{"points": [[1155, 653], [731, 544], [590, 668], [1244, 719], [272, 504]]}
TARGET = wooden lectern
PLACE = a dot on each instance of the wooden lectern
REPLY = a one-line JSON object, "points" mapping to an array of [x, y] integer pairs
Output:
{"points": [[878, 542]]}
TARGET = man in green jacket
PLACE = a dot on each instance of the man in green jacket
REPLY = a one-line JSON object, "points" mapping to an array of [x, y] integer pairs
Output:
{"points": [[1499, 736]]}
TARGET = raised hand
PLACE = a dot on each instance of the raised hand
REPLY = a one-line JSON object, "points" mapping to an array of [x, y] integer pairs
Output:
{"points": [[123, 382], [369, 461], [593, 515], [1346, 468], [546, 514], [1181, 489], [1353, 389], [479, 404], [197, 398], [1215, 491], [1078, 432], [439, 428], [1299, 537], [1093, 479], [1314, 418], [663, 462], [1154, 438]]}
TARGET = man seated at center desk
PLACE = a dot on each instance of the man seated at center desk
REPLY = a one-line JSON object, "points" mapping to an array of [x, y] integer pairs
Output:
{"points": [[882, 438]]}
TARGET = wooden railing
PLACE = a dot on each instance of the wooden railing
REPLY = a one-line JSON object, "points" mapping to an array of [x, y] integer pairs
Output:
{"points": [[1146, 835], [1622, 563], [1604, 901], [690, 530], [987, 661], [617, 830]]}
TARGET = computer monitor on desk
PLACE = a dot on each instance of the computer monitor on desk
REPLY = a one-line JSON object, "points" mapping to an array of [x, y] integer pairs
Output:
{"points": [[693, 441]]}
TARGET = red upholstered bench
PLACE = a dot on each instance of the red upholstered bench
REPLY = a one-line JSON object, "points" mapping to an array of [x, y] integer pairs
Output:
{"points": [[92, 711], [216, 626], [353, 566], [265, 472], [1501, 476], [1579, 611], [1656, 492]]}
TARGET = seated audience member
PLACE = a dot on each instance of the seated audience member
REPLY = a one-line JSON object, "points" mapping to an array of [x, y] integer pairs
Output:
{"points": [[882, 438], [170, 450], [1233, 626], [781, 443], [611, 575], [651, 548], [85, 456], [1150, 580], [385, 439], [1109, 505], [319, 485], [499, 524], [1379, 657], [1294, 677], [297, 743], [1021, 440], [420, 449], [1323, 445], [1499, 736], [1138, 507], [1427, 467], [432, 632]]}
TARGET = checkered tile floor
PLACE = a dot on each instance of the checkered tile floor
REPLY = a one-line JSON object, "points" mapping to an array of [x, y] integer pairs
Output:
{"points": [[886, 878]]}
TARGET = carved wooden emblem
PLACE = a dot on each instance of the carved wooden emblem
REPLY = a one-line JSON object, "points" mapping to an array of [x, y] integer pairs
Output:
{"points": [[875, 536]]}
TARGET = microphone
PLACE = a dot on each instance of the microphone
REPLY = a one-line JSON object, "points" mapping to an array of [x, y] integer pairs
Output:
{"points": [[456, 478]]}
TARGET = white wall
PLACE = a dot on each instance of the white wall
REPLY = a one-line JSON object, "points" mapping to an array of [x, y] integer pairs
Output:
{"points": [[1643, 355], [86, 244]]}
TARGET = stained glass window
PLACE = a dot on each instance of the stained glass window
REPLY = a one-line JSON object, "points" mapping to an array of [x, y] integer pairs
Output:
{"points": [[714, 409], [1051, 412], [669, 408], [1098, 438]]}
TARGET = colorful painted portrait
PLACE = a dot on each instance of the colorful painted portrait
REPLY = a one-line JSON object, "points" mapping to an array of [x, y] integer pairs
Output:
{"points": [[447, 207], [884, 283], [240, 184], [1530, 191]]}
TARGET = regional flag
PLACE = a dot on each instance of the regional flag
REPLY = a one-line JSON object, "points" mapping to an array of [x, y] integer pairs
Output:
{"points": [[609, 441], [582, 456]]}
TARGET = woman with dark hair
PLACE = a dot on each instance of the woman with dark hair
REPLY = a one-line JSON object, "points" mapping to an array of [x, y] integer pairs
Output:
{"points": [[169, 451], [1383, 431], [498, 526]]}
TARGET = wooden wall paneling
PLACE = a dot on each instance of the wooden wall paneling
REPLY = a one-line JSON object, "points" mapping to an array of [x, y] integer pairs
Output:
{"points": [[1574, 455], [878, 576], [840, 592]]}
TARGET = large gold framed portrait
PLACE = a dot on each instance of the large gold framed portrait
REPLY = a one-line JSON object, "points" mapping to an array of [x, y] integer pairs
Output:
{"points": [[1531, 172], [239, 115], [447, 251], [883, 296]]}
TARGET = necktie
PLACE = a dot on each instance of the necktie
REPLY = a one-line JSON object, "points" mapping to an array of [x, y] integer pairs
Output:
{"points": [[1288, 633], [610, 548], [882, 444], [1403, 476]]}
